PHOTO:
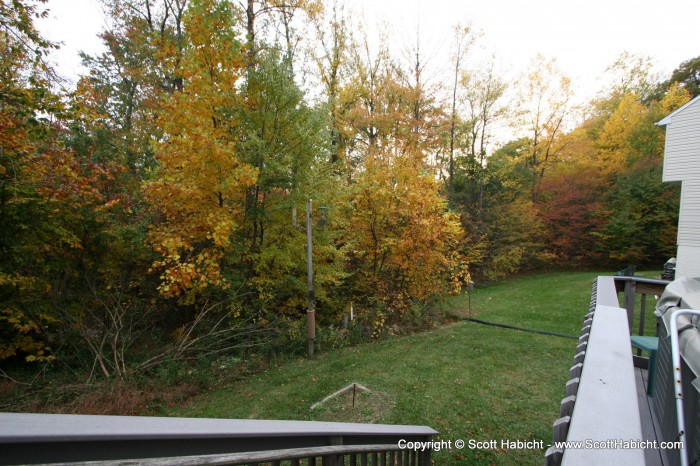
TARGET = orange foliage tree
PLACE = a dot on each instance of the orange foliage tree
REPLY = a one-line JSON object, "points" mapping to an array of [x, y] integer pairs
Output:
{"points": [[403, 244]]}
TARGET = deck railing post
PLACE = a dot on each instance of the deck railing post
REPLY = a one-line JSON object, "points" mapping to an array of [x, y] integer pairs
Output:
{"points": [[630, 297], [424, 456], [338, 459]]}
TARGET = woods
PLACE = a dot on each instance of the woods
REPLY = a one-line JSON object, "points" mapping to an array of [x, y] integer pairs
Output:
{"points": [[154, 211]]}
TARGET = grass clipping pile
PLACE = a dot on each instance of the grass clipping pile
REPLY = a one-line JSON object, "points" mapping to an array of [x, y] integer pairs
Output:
{"points": [[354, 403]]}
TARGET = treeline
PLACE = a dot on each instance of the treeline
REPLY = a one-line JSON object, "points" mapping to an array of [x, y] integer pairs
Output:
{"points": [[156, 211]]}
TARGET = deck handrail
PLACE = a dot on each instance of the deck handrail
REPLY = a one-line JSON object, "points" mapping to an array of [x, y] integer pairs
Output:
{"points": [[52, 438], [390, 452], [601, 403], [633, 286]]}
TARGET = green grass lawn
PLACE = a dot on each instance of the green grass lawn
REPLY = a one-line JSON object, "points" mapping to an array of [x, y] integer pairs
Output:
{"points": [[466, 380]]}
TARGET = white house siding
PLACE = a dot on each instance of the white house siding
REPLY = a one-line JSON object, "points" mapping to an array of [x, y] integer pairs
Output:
{"points": [[682, 163], [682, 152], [688, 254]]}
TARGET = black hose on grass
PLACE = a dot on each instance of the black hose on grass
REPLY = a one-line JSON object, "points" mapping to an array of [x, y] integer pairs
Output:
{"points": [[542, 332]]}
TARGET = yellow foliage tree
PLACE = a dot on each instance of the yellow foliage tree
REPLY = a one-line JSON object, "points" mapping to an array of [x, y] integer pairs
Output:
{"points": [[616, 136], [403, 242], [200, 184]]}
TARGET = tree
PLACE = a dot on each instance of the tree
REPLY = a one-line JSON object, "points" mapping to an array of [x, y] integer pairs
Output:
{"points": [[545, 104], [402, 244], [200, 184], [144, 41], [570, 206], [641, 223], [484, 92], [334, 39], [688, 76], [633, 74], [286, 141], [507, 235], [463, 41], [27, 140]]}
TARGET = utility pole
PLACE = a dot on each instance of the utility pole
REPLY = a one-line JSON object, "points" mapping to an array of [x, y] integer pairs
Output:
{"points": [[311, 311]]}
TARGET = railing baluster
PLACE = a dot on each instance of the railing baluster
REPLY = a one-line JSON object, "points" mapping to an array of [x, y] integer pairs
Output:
{"points": [[630, 297], [363, 460], [572, 386], [642, 314]]}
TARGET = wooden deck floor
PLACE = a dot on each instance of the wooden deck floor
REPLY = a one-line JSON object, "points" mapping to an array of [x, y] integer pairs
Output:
{"points": [[650, 424]]}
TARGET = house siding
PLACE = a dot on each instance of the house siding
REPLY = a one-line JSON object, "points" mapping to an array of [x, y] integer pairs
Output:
{"points": [[682, 148], [688, 262], [682, 163], [688, 254], [689, 219]]}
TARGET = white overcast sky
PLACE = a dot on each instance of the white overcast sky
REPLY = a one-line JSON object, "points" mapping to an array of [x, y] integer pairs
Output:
{"points": [[584, 36]]}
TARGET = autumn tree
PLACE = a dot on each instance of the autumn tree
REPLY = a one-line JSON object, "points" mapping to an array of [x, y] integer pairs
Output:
{"points": [[333, 37], [571, 208], [144, 41], [633, 74], [484, 107], [641, 216], [27, 105], [605, 200], [200, 184], [287, 143], [67, 245], [464, 39], [403, 246], [544, 106], [506, 236]]}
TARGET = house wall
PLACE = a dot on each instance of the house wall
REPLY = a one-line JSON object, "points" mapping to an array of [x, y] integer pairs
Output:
{"points": [[682, 163], [682, 151], [688, 254]]}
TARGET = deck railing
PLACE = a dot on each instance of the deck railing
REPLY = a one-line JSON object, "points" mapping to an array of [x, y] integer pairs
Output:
{"points": [[112, 440], [633, 287], [601, 394], [639, 290]]}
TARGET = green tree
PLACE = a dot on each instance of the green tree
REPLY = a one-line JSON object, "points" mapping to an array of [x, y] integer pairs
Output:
{"points": [[641, 225], [688, 76], [287, 142]]}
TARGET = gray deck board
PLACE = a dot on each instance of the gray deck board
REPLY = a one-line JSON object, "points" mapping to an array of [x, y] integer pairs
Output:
{"points": [[650, 425], [651, 457]]}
